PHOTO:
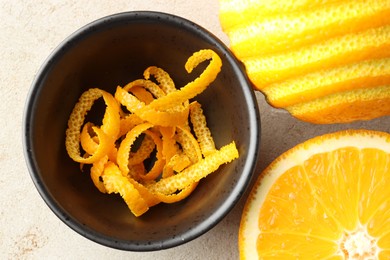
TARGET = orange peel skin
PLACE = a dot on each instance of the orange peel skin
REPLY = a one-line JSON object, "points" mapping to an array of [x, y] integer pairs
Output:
{"points": [[196, 171], [76, 121], [115, 182], [201, 130], [158, 149], [125, 147], [165, 81], [97, 170], [156, 117], [198, 85]]}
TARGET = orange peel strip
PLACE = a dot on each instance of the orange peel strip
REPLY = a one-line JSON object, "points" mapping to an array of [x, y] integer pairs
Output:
{"points": [[147, 85], [202, 132], [170, 147], [127, 123], [161, 112], [195, 87], [97, 170], [165, 81], [142, 94], [179, 162], [136, 170], [143, 152], [87, 143], [162, 118], [111, 119], [175, 197], [125, 146], [159, 163], [189, 144], [150, 198], [196, 171], [90, 144], [115, 182], [76, 121]]}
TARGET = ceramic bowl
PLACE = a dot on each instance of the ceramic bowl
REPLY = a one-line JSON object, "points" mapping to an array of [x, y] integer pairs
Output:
{"points": [[113, 51]]}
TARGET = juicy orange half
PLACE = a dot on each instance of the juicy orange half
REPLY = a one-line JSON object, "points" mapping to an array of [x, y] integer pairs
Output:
{"points": [[327, 198]]}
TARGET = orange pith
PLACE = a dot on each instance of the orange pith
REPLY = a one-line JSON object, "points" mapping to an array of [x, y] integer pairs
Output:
{"points": [[325, 198], [288, 48]]}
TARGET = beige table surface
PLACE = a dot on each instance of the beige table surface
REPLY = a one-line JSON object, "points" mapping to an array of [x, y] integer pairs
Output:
{"points": [[29, 31]]}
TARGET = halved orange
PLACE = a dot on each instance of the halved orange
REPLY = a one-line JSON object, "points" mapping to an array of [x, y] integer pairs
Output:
{"points": [[327, 198]]}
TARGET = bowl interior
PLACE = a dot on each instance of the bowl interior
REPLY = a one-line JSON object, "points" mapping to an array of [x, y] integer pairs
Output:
{"points": [[114, 51]]}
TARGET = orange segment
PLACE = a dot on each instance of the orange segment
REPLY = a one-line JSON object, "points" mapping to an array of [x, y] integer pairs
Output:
{"points": [[324, 198], [293, 208], [336, 189], [295, 246]]}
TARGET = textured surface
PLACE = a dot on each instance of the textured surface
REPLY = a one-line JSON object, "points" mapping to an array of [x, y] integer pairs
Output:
{"points": [[28, 229]]}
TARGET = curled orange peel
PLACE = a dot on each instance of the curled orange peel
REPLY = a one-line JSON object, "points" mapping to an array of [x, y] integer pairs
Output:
{"points": [[197, 171], [159, 163], [156, 117], [127, 143], [165, 81], [148, 85], [115, 182], [198, 85], [202, 132], [105, 134], [142, 94], [189, 144], [160, 148], [97, 170]]}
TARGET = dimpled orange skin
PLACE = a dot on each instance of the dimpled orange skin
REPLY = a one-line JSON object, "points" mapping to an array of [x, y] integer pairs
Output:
{"points": [[303, 52]]}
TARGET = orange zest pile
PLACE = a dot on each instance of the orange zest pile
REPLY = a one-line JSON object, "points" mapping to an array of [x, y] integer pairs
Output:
{"points": [[161, 129], [327, 198], [323, 61]]}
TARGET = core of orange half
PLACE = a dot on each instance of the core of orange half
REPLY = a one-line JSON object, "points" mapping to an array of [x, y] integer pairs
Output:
{"points": [[327, 198]]}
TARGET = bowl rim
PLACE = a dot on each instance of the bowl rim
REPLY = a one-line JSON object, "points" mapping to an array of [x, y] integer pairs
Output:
{"points": [[238, 190]]}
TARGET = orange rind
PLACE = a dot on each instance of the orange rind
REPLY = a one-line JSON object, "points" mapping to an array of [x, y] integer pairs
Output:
{"points": [[156, 151], [301, 53]]}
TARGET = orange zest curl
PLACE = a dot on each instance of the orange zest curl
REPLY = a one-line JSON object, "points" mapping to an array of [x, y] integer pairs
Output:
{"points": [[159, 149]]}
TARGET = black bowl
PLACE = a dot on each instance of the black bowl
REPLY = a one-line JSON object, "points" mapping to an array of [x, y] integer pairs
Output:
{"points": [[113, 51]]}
